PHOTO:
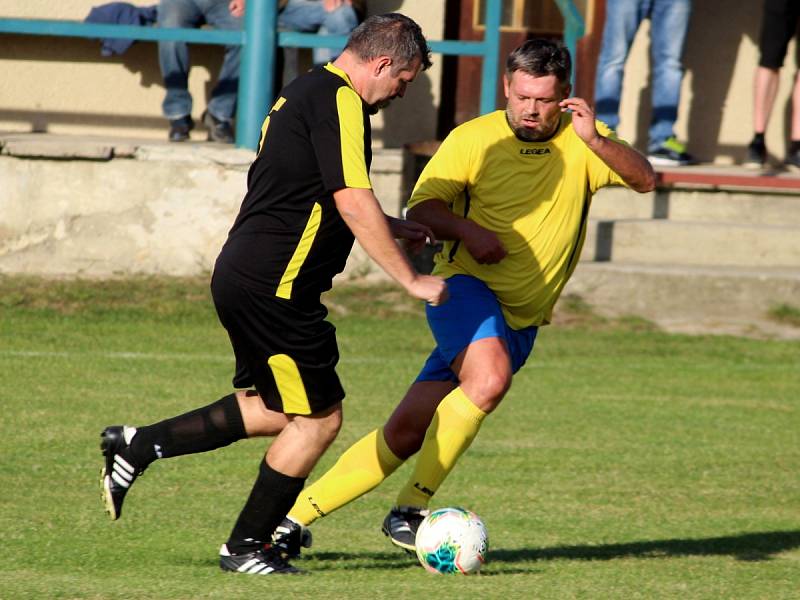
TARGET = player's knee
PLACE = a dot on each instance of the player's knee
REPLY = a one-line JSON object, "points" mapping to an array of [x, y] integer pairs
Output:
{"points": [[319, 429], [488, 390], [328, 426]]}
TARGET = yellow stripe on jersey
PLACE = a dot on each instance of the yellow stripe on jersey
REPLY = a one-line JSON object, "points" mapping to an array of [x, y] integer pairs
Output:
{"points": [[351, 132], [337, 71], [290, 384], [275, 107], [300, 253]]}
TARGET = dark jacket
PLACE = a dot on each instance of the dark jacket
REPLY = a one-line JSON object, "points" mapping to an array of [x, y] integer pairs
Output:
{"points": [[121, 13]]}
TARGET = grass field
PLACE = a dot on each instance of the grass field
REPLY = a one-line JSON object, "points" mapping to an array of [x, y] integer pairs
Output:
{"points": [[624, 463]]}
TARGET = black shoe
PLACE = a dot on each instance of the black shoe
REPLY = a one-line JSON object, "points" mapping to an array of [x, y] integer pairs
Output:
{"points": [[119, 473], [179, 129], [267, 561], [670, 154], [401, 526], [792, 161], [218, 131], [289, 537], [756, 155]]}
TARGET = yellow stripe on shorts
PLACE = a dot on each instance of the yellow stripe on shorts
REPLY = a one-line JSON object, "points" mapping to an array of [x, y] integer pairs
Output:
{"points": [[300, 253], [290, 384]]}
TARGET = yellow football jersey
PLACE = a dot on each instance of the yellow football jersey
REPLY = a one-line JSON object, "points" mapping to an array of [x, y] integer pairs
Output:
{"points": [[534, 195]]}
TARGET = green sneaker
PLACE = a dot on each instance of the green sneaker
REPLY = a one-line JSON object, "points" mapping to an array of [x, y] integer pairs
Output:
{"points": [[671, 153]]}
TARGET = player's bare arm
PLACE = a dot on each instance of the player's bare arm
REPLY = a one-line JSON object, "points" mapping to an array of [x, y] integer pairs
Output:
{"points": [[363, 215], [482, 244], [414, 235], [626, 161]]}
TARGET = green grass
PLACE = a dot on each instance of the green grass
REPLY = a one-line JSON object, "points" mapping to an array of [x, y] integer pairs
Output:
{"points": [[624, 463], [786, 314]]}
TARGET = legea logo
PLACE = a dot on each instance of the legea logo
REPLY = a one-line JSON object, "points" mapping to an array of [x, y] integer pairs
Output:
{"points": [[535, 151]]}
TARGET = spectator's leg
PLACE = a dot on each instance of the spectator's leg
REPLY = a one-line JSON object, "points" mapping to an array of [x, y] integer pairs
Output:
{"points": [[223, 97], [623, 18], [765, 89], [302, 15], [669, 23], [796, 108], [778, 25], [173, 57], [337, 22], [298, 15]]}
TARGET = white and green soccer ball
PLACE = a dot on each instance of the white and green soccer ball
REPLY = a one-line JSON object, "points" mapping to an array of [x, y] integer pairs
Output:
{"points": [[452, 540]]}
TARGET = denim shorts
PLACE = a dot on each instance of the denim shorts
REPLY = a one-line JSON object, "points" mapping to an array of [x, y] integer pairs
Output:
{"points": [[472, 313]]}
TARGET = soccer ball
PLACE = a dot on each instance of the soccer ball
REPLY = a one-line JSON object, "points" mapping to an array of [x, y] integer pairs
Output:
{"points": [[452, 540]]}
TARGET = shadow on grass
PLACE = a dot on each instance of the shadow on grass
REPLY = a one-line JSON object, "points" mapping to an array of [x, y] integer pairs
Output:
{"points": [[322, 561], [361, 560], [746, 547]]}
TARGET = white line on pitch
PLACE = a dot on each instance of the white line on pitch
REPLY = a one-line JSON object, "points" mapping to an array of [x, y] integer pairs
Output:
{"points": [[153, 356]]}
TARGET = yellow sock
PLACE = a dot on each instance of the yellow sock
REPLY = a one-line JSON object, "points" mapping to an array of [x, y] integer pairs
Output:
{"points": [[362, 467], [455, 424]]}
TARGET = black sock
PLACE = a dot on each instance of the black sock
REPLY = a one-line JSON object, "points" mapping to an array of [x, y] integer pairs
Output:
{"points": [[794, 146], [272, 496], [758, 138], [207, 428]]}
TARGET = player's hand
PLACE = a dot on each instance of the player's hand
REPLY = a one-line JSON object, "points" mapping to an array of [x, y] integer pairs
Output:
{"points": [[484, 245], [236, 7], [414, 235], [430, 288], [583, 118]]}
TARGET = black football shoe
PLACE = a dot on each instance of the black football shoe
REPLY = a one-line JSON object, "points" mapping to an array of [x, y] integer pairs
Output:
{"points": [[289, 537], [266, 561], [401, 525], [119, 472]]}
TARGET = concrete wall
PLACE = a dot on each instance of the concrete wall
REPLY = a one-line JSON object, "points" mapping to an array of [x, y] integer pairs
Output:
{"points": [[715, 116], [63, 85], [94, 207]]}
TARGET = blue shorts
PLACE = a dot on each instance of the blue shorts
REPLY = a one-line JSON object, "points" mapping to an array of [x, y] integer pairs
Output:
{"points": [[471, 314]]}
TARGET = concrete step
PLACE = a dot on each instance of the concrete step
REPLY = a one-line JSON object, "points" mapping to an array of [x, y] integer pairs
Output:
{"points": [[727, 300], [692, 243], [754, 207]]}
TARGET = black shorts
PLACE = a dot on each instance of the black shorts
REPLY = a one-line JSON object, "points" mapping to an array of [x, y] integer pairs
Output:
{"points": [[778, 25], [287, 352]]}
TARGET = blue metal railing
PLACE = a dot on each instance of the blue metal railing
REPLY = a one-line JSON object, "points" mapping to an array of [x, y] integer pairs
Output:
{"points": [[574, 26], [259, 40]]}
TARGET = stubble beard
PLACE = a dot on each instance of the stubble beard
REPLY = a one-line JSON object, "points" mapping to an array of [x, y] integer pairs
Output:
{"points": [[525, 133]]}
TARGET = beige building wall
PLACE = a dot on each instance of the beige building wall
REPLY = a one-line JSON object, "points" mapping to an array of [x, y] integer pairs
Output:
{"points": [[715, 115], [63, 85]]}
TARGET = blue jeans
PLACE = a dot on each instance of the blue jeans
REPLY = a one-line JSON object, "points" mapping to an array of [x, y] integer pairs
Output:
{"points": [[669, 20], [310, 16], [173, 57]]}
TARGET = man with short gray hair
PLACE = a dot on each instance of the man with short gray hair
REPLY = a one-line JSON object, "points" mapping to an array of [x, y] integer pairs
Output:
{"points": [[309, 196]]}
